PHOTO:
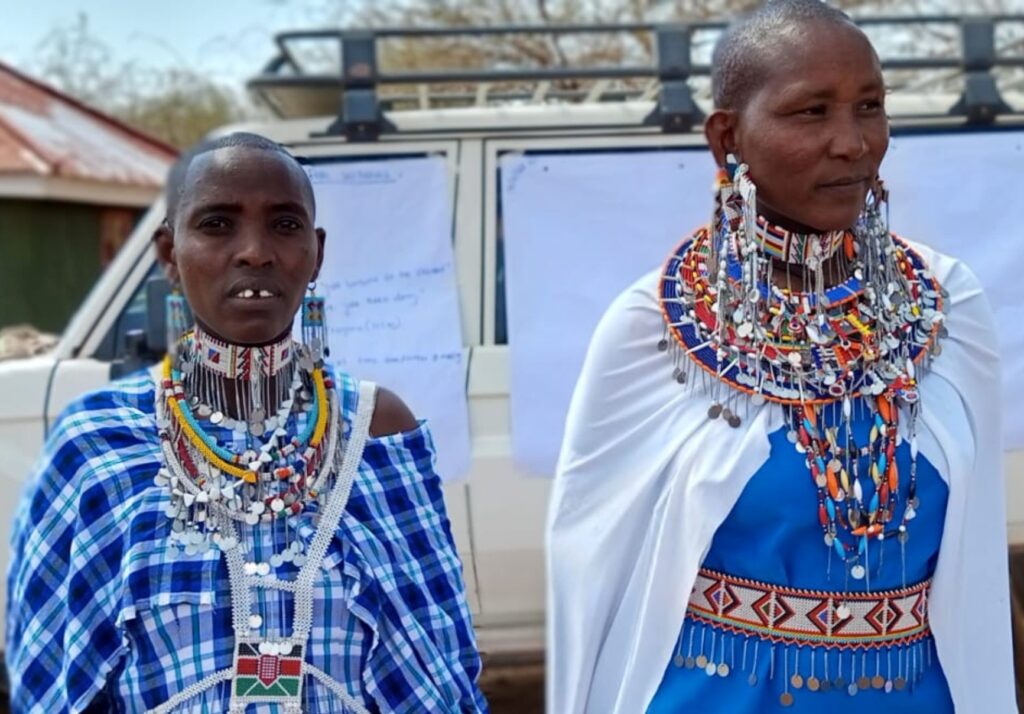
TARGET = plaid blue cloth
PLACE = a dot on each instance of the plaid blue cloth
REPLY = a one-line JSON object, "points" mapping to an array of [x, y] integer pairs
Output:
{"points": [[105, 612]]}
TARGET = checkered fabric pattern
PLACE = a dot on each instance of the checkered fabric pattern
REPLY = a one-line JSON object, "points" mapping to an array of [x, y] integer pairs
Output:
{"points": [[106, 614]]}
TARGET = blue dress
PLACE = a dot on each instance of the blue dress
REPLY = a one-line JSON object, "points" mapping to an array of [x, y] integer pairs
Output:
{"points": [[772, 535]]}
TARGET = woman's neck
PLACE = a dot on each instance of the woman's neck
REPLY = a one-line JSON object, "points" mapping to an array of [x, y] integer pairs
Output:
{"points": [[240, 381]]}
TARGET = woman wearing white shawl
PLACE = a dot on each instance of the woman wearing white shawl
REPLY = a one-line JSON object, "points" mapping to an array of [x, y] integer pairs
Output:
{"points": [[649, 489]]}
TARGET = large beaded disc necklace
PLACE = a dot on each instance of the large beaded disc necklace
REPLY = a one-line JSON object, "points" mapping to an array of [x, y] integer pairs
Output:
{"points": [[281, 471], [822, 353]]}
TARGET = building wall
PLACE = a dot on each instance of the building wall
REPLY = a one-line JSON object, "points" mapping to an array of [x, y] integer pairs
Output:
{"points": [[50, 255]]}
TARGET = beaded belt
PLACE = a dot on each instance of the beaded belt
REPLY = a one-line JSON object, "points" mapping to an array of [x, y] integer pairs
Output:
{"points": [[811, 618]]}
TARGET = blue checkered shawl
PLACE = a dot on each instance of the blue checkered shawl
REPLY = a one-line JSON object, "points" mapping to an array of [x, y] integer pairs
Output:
{"points": [[102, 616]]}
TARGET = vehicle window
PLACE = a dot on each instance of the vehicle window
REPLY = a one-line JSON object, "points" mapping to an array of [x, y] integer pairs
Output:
{"points": [[132, 317]]}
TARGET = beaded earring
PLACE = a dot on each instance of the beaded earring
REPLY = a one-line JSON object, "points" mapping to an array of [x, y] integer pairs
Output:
{"points": [[314, 324], [176, 318]]}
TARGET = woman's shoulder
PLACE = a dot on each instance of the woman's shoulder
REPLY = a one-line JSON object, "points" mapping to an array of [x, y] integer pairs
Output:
{"points": [[953, 274]]}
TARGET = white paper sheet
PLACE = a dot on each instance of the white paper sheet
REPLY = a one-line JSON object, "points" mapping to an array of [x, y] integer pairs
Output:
{"points": [[579, 228], [389, 282]]}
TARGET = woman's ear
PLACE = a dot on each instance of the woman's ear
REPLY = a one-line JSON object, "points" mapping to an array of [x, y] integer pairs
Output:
{"points": [[321, 236], [163, 241], [720, 131]]}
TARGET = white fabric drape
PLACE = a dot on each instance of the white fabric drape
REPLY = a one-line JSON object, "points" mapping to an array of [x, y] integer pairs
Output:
{"points": [[645, 479]]}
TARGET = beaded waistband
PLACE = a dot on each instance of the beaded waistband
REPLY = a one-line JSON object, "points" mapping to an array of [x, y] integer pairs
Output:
{"points": [[811, 618]]}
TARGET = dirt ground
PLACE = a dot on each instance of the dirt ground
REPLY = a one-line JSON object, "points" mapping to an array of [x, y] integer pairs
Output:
{"points": [[515, 689]]}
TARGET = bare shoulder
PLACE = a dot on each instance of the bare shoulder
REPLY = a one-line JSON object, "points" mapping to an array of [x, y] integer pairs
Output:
{"points": [[390, 415]]}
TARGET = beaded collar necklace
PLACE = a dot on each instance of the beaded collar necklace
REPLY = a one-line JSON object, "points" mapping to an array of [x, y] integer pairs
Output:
{"points": [[275, 476], [797, 248], [238, 361], [856, 345]]}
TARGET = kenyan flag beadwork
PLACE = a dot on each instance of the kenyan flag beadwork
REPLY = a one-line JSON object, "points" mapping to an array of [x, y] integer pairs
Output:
{"points": [[272, 675]]}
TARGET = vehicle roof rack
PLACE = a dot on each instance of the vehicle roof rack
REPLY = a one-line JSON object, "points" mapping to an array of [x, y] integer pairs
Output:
{"points": [[339, 71]]}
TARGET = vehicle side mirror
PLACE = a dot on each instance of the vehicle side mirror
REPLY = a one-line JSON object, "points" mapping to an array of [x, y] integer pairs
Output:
{"points": [[147, 346]]}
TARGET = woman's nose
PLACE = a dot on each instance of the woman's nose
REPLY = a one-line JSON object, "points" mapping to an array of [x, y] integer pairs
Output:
{"points": [[254, 249], [849, 139]]}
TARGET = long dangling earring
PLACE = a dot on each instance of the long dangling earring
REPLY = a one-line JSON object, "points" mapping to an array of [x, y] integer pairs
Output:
{"points": [[176, 319], [314, 324]]}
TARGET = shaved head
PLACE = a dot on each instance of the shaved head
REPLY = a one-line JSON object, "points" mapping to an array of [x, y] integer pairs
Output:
{"points": [[178, 175], [743, 55]]}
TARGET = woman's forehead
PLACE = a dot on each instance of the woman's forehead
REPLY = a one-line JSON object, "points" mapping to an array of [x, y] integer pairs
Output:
{"points": [[820, 58], [245, 171]]}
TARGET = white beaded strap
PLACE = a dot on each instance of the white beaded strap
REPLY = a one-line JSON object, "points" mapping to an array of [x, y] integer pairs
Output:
{"points": [[335, 687], [193, 690], [331, 516]]}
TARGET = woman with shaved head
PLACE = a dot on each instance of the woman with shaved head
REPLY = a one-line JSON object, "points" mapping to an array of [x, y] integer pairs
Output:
{"points": [[245, 529], [780, 486]]}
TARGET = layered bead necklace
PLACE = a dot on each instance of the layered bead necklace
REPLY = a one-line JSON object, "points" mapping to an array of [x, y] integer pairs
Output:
{"points": [[821, 353], [279, 473]]}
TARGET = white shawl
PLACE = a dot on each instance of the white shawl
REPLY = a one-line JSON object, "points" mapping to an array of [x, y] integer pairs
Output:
{"points": [[645, 479]]}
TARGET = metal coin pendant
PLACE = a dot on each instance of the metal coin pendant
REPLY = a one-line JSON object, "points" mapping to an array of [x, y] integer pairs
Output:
{"points": [[752, 679], [863, 682], [797, 681], [813, 684], [899, 683], [857, 572], [690, 663], [826, 685], [679, 661], [714, 411], [710, 669], [702, 661], [723, 670], [852, 689], [878, 681], [839, 683], [786, 699]]}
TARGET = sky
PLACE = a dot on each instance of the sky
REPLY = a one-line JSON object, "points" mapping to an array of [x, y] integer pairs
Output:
{"points": [[229, 40]]}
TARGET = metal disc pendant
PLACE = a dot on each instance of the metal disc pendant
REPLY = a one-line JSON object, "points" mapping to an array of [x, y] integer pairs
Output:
{"points": [[813, 684], [723, 670], [679, 661], [852, 689], [877, 682], [899, 684], [797, 681], [786, 699], [714, 411], [757, 399], [863, 682], [839, 683], [752, 679], [702, 661], [710, 669], [690, 663], [662, 345], [826, 685], [216, 418], [857, 572], [734, 421]]}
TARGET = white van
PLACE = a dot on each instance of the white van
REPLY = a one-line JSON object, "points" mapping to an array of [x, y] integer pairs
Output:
{"points": [[498, 512]]}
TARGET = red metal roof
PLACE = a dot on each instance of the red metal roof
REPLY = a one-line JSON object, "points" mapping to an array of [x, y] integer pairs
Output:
{"points": [[45, 133]]}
